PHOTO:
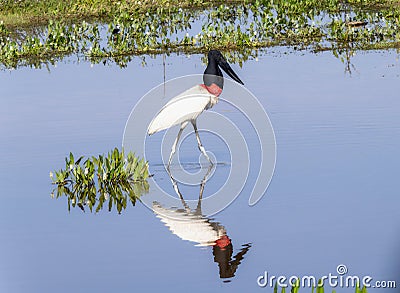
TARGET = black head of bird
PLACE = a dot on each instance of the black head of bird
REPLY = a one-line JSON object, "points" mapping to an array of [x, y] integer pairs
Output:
{"points": [[213, 73]]}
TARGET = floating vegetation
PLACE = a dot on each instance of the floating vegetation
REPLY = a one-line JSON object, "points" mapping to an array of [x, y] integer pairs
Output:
{"points": [[96, 180], [342, 27]]}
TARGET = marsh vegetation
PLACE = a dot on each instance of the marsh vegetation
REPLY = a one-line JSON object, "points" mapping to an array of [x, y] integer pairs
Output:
{"points": [[35, 33], [114, 179]]}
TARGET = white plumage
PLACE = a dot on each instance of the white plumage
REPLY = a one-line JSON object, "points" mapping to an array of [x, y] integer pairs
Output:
{"points": [[182, 108]]}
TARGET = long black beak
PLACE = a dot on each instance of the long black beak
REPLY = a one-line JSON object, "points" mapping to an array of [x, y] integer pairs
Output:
{"points": [[227, 68]]}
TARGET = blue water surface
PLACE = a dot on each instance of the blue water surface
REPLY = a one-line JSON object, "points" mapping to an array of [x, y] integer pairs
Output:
{"points": [[333, 198]]}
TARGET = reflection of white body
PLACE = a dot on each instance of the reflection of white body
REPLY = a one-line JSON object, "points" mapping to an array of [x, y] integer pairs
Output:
{"points": [[190, 226]]}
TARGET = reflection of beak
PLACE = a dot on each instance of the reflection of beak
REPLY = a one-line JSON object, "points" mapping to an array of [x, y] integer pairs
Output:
{"points": [[223, 242], [227, 68]]}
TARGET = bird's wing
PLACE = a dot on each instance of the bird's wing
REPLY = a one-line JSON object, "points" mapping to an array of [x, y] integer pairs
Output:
{"points": [[184, 107]]}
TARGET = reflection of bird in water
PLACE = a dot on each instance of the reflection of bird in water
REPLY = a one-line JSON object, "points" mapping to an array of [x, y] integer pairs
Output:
{"points": [[187, 106], [191, 225]]}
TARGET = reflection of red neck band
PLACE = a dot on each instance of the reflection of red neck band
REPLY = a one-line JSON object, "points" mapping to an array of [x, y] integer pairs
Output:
{"points": [[213, 89], [222, 242]]}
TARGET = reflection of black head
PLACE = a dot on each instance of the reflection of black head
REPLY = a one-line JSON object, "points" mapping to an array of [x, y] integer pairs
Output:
{"points": [[228, 266]]}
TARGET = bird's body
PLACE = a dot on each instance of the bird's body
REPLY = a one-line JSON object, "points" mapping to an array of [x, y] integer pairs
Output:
{"points": [[187, 106], [183, 108]]}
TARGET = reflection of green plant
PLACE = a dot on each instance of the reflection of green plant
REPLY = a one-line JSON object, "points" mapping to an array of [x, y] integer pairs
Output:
{"points": [[112, 177]]}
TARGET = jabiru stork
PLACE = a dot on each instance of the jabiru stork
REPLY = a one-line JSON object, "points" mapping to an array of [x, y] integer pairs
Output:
{"points": [[187, 106]]}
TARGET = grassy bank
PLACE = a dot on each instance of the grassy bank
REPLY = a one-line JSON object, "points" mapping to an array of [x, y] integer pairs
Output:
{"points": [[37, 32], [26, 13]]}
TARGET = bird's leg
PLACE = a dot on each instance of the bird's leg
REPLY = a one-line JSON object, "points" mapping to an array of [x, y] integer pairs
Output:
{"points": [[173, 149], [201, 148]]}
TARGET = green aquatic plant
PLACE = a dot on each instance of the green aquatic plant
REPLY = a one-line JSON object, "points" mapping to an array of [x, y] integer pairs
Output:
{"points": [[360, 290], [295, 288], [96, 180]]}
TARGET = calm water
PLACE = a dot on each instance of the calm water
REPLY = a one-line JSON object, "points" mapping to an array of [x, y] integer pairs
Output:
{"points": [[333, 198]]}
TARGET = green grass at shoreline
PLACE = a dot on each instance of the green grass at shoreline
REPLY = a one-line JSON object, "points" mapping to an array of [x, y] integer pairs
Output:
{"points": [[84, 28], [26, 13]]}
